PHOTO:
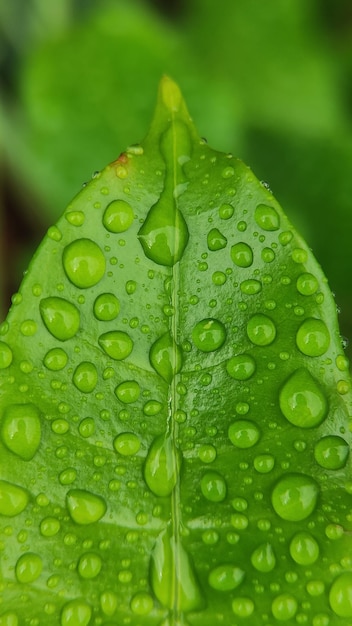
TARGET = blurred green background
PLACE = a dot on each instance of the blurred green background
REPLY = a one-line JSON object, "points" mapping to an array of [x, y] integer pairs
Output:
{"points": [[269, 80]]}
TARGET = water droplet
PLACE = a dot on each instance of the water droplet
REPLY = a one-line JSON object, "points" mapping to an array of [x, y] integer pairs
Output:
{"points": [[84, 263], [117, 344], [299, 255], [332, 452], [152, 407], [294, 497], [242, 254], [142, 603], [241, 367], [54, 233], [315, 588], [56, 359], [251, 287], [118, 216], [106, 307], [5, 355], [60, 426], [166, 357], [213, 487], [261, 330], [181, 587], [313, 337], [89, 565], [76, 613], [127, 444], [108, 603], [284, 607], [219, 278], [242, 607], [226, 211], [9, 619], [307, 284], [268, 255], [263, 558], [225, 577], [85, 377], [228, 172], [13, 499], [162, 466], [264, 463], [128, 391], [60, 317], [302, 401], [304, 549], [85, 507], [207, 453], [267, 217], [68, 476], [76, 218], [216, 240], [49, 526], [21, 430], [210, 537], [209, 335], [28, 567], [243, 433]]}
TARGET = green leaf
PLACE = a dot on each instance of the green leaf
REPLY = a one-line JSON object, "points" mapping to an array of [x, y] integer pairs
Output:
{"points": [[175, 405]]}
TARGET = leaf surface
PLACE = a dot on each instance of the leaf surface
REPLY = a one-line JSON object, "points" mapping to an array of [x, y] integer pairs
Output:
{"points": [[175, 405]]}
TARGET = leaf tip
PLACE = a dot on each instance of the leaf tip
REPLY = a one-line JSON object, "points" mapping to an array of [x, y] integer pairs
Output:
{"points": [[170, 94]]}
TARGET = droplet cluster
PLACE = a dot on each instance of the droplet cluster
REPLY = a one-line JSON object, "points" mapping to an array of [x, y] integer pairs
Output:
{"points": [[174, 406]]}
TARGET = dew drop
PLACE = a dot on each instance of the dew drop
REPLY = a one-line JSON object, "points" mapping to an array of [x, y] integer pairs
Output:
{"points": [[242, 254], [68, 476], [294, 497], [340, 596], [243, 433], [108, 603], [28, 567], [261, 330], [5, 355], [216, 240], [284, 607], [307, 284], [89, 565], [264, 463], [118, 216], [116, 344], [85, 377], [61, 317], [251, 287], [55, 359], [209, 335], [152, 407], [49, 526], [76, 218], [268, 255], [313, 337], [210, 537], [304, 549], [128, 391], [213, 487], [241, 367], [267, 217], [166, 357], [207, 453], [21, 430], [127, 444], [226, 211], [13, 499], [142, 603], [84, 506], [242, 607], [76, 613], [164, 234], [162, 466], [302, 401], [331, 452], [9, 619], [263, 558], [225, 577], [84, 263], [106, 307], [219, 278]]}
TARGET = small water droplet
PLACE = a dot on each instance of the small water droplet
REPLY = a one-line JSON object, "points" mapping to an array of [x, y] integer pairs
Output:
{"points": [[55, 359], [267, 217], [5, 355], [263, 558], [299, 255], [106, 307], [313, 337], [241, 367], [152, 407], [162, 466], [261, 330], [207, 453], [284, 607], [21, 430], [268, 255], [28, 567], [61, 317], [108, 603], [302, 401], [304, 549], [226, 577], [243, 433], [85, 507], [67, 476], [331, 452], [213, 487], [118, 216], [128, 391], [89, 565], [243, 607], [76, 218], [127, 444], [76, 613], [264, 463], [210, 537], [166, 357], [116, 344], [294, 497], [228, 172], [49, 526], [219, 278], [84, 263], [307, 284], [216, 240], [85, 377], [226, 211], [9, 619], [242, 254], [60, 426], [209, 335], [13, 499], [251, 286], [28, 328]]}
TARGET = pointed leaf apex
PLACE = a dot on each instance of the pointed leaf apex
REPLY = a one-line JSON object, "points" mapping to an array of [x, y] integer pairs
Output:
{"points": [[170, 94]]}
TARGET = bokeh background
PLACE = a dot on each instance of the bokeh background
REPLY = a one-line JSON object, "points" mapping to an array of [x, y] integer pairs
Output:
{"points": [[270, 81]]}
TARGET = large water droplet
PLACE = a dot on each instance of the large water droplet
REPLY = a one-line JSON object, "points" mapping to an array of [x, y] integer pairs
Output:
{"points": [[267, 217], [164, 234], [261, 330], [302, 401], [213, 487], [13, 499], [55, 359], [108, 602], [307, 284], [241, 367], [172, 575], [225, 577], [304, 549], [5, 355], [216, 240], [242, 254], [85, 377], [284, 607], [117, 344], [89, 565], [263, 558], [60, 316], [209, 335], [294, 497], [128, 391], [332, 452], [166, 357], [28, 567], [76, 613], [106, 307], [21, 430], [127, 444], [313, 337], [340, 596], [243, 433], [84, 263], [118, 216], [85, 507], [162, 466]]}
